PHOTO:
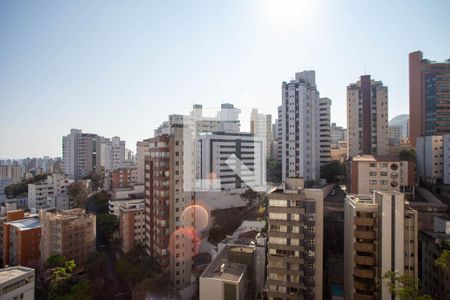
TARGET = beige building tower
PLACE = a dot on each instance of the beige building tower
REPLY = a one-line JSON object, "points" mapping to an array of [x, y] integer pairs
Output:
{"points": [[132, 224], [169, 219], [380, 235], [70, 233], [367, 117], [295, 255]]}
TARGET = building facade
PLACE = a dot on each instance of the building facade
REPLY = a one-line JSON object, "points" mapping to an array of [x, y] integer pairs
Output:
{"points": [[367, 117], [218, 169], [380, 235], [70, 233], [81, 154], [21, 242], [124, 178], [50, 193], [295, 242], [17, 283], [429, 97], [132, 224], [301, 125], [430, 158], [261, 126], [368, 173]]}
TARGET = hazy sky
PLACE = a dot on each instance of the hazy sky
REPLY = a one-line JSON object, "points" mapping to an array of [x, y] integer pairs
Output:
{"points": [[120, 67]]}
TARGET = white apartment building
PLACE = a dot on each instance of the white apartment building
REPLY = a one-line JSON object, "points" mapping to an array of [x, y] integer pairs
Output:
{"points": [[300, 124], [112, 153], [324, 130], [261, 126], [430, 158], [142, 150], [338, 134], [17, 283], [367, 117], [124, 195], [81, 154], [50, 193], [230, 162], [380, 235]]}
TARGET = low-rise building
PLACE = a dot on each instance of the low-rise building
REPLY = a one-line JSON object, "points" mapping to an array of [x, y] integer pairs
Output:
{"points": [[21, 242], [17, 283], [50, 193], [132, 224], [435, 281], [368, 173], [70, 233], [120, 196]]}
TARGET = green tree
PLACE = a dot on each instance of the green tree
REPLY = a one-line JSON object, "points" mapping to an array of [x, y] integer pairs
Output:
{"points": [[443, 261], [408, 154], [404, 286], [97, 178], [55, 261], [78, 193], [21, 188], [107, 224], [274, 172]]}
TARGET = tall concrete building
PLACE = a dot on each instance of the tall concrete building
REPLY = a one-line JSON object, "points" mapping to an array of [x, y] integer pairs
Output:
{"points": [[303, 116], [112, 153], [214, 150], [70, 233], [367, 117], [324, 130], [295, 245], [430, 158], [169, 223], [81, 154], [380, 235], [338, 134], [429, 97], [261, 126], [142, 150]]}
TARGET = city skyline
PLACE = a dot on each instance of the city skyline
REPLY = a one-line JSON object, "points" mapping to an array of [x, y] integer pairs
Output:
{"points": [[118, 70]]}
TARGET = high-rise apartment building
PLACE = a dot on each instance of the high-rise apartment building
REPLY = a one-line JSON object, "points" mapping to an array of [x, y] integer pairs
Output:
{"points": [[14, 172], [295, 245], [124, 178], [142, 148], [338, 134], [430, 158], [324, 130], [301, 121], [367, 117], [81, 154], [112, 153], [380, 235], [50, 193], [132, 224], [168, 219], [261, 126], [429, 97], [217, 169], [70, 233]]}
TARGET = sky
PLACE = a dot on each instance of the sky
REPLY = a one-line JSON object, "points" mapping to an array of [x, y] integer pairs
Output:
{"points": [[119, 68]]}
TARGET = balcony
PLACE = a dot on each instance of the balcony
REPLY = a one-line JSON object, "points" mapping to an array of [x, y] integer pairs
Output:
{"points": [[284, 295], [364, 286], [284, 271], [364, 273], [273, 233], [365, 247], [363, 221], [365, 260], [365, 235]]}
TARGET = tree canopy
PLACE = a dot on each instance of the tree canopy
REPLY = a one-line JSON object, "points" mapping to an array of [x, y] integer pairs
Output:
{"points": [[404, 286], [408, 154], [332, 171]]}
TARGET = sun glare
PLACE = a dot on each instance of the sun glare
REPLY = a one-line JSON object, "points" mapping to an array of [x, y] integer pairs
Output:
{"points": [[288, 14]]}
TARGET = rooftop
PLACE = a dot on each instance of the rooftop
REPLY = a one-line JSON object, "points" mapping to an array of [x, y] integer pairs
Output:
{"points": [[7, 274], [25, 224]]}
